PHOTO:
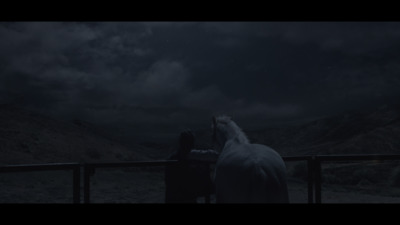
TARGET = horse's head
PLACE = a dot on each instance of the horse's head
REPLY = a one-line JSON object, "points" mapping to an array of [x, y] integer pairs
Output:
{"points": [[220, 128]]}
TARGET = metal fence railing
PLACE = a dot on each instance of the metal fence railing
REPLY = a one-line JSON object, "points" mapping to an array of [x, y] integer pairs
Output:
{"points": [[318, 160], [75, 167], [89, 169], [314, 172]]}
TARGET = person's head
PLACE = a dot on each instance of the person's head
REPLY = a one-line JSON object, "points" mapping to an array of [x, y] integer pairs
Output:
{"points": [[186, 141]]}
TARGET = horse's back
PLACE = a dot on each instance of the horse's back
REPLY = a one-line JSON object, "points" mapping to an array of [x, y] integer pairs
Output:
{"points": [[251, 173]]}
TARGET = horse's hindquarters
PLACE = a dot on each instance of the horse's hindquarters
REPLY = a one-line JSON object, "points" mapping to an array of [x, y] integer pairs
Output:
{"points": [[249, 187], [253, 175]]}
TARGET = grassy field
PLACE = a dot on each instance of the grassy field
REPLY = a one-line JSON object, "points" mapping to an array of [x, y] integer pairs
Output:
{"points": [[147, 186]]}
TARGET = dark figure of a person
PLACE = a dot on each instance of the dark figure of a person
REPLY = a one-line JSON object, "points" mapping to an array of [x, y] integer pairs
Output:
{"points": [[178, 176], [187, 179]]}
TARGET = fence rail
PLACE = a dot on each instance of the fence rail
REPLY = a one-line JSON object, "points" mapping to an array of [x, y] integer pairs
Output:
{"points": [[75, 167], [89, 169], [314, 173], [318, 160]]}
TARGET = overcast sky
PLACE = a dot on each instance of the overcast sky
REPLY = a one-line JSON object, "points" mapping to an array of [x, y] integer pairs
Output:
{"points": [[183, 72]]}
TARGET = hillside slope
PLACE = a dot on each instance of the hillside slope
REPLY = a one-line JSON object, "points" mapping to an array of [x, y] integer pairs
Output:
{"points": [[27, 137], [368, 132]]}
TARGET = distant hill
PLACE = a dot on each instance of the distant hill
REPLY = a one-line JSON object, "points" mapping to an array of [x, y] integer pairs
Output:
{"points": [[367, 132], [28, 137]]}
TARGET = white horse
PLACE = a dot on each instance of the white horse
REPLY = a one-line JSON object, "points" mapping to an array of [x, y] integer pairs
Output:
{"points": [[245, 172]]}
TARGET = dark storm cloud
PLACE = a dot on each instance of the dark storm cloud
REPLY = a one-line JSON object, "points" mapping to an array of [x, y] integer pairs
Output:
{"points": [[168, 71], [351, 37], [341, 61]]}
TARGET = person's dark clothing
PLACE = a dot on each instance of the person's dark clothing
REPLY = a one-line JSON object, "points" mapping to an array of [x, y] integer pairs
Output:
{"points": [[178, 182], [187, 180]]}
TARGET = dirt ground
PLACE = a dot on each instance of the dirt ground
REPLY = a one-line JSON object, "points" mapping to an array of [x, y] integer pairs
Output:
{"points": [[331, 194], [141, 187]]}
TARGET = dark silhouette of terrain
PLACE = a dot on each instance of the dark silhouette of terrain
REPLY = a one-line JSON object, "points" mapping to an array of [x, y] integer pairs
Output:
{"points": [[28, 137], [367, 132]]}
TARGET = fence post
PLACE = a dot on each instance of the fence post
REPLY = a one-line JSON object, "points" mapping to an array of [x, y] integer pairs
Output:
{"points": [[87, 170], [310, 170], [318, 180], [76, 182]]}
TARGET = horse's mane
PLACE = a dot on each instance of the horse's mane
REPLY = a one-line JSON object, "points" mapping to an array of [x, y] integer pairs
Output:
{"points": [[230, 129]]}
